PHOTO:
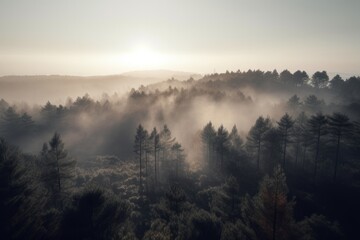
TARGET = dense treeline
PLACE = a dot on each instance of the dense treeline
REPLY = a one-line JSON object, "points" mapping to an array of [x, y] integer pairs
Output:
{"points": [[104, 169]]}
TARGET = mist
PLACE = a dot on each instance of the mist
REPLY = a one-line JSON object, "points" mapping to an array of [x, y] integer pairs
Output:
{"points": [[213, 133]]}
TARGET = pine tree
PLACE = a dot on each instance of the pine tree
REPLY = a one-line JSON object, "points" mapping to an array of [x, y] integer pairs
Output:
{"points": [[10, 128], [317, 127], [298, 131], [222, 138], [139, 149], [285, 124], [339, 127], [179, 158], [256, 136], [18, 206], [166, 141], [208, 136], [59, 170], [235, 140], [155, 142], [273, 212]]}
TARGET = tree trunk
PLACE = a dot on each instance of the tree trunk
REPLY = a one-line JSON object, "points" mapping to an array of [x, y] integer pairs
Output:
{"points": [[304, 157], [140, 187], [285, 142], [155, 165], [317, 154], [337, 156], [58, 177], [297, 153]]}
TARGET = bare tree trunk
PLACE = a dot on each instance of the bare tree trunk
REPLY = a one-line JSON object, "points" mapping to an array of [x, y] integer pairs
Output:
{"points": [[337, 156]]}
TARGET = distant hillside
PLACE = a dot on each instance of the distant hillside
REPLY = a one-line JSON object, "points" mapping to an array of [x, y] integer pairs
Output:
{"points": [[57, 88]]}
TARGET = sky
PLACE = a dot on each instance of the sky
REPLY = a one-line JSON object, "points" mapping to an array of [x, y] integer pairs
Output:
{"points": [[100, 37]]}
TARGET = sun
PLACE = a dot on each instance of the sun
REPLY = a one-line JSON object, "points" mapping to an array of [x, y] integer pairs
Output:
{"points": [[142, 57]]}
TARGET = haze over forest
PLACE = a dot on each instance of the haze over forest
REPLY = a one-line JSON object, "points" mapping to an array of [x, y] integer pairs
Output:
{"points": [[253, 134]]}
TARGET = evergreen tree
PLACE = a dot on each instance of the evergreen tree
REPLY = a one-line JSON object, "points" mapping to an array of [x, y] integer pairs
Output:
{"points": [[222, 143], [299, 131], [155, 142], [208, 136], [317, 127], [273, 213], [139, 149], [166, 141], [179, 158], [320, 79], [300, 78], [19, 209], [235, 140], [256, 136], [294, 103], [10, 128], [26, 123], [59, 171], [339, 127], [285, 124]]}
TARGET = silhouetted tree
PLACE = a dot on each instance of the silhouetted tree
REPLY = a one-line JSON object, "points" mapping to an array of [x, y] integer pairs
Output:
{"points": [[235, 140], [208, 136], [221, 143], [11, 123], [317, 126], [293, 104], [18, 208], [139, 149], [299, 131], [339, 127], [300, 78], [320, 79], [286, 77], [285, 125], [155, 139], [337, 83], [166, 141], [272, 148], [179, 158], [256, 135], [313, 104], [59, 170], [26, 124], [272, 213]]}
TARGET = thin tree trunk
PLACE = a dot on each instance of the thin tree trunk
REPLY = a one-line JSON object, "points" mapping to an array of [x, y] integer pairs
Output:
{"points": [[155, 164], [297, 153], [285, 142], [317, 154], [146, 168], [58, 176], [304, 157], [140, 187], [337, 156]]}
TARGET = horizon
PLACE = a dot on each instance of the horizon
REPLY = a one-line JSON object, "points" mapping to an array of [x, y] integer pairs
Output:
{"points": [[331, 74], [111, 37]]}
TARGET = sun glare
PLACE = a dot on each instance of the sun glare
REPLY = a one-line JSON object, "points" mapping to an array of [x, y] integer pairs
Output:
{"points": [[141, 57]]}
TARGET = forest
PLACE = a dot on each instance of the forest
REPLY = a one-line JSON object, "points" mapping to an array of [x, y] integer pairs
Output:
{"points": [[235, 155]]}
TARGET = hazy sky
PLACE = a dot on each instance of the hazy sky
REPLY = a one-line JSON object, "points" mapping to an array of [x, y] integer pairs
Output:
{"points": [[87, 37]]}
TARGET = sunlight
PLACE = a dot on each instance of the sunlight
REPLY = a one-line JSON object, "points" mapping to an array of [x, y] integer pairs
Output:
{"points": [[141, 57]]}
